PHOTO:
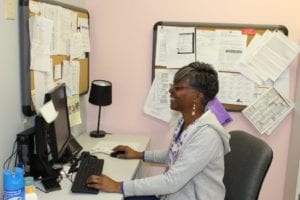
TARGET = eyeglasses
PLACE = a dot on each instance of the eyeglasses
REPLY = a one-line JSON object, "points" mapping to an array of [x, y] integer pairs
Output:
{"points": [[177, 88]]}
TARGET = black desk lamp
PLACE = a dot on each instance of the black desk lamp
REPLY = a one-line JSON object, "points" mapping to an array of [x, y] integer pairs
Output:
{"points": [[100, 95]]}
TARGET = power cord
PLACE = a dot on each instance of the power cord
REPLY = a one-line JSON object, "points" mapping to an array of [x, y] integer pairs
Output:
{"points": [[7, 162]]}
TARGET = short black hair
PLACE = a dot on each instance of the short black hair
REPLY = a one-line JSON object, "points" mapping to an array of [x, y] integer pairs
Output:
{"points": [[202, 77]]}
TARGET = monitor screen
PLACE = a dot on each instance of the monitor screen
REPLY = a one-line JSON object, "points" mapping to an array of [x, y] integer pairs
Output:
{"points": [[59, 133]]}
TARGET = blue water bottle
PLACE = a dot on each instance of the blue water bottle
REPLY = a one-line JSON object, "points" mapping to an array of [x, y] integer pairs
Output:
{"points": [[13, 184]]}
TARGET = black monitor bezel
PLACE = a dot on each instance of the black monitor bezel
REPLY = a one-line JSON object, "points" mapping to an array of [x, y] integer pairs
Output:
{"points": [[52, 134]]}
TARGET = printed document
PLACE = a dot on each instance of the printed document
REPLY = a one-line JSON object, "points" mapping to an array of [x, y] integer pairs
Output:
{"points": [[175, 46], [268, 111], [71, 76], [74, 110], [267, 57], [158, 102], [40, 32], [221, 48]]}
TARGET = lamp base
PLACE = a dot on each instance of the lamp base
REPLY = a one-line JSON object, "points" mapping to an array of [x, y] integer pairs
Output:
{"points": [[97, 134]]}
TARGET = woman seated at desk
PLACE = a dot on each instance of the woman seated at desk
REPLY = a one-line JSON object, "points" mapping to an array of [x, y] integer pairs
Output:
{"points": [[195, 158]]}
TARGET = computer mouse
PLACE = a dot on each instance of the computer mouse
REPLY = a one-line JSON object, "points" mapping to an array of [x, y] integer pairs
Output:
{"points": [[116, 153], [84, 154]]}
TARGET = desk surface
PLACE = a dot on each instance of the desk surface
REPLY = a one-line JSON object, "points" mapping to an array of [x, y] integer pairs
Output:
{"points": [[117, 169]]}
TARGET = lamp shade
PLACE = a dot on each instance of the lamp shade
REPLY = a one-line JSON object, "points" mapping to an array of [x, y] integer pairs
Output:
{"points": [[101, 92]]}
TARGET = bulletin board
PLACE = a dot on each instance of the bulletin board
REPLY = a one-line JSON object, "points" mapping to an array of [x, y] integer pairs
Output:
{"points": [[249, 30], [27, 75]]}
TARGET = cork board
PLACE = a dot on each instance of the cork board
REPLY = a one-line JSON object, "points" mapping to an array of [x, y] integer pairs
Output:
{"points": [[27, 74], [247, 29]]}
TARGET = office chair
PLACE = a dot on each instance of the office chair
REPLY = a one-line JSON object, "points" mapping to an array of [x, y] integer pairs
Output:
{"points": [[246, 166]]}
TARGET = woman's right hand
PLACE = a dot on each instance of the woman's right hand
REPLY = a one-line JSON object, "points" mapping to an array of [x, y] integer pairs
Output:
{"points": [[127, 152]]}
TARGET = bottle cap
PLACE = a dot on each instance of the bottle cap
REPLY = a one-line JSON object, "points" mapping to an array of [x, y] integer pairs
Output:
{"points": [[29, 189], [28, 180]]}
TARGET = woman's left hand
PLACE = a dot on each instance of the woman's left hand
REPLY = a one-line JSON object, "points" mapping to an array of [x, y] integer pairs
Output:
{"points": [[104, 183]]}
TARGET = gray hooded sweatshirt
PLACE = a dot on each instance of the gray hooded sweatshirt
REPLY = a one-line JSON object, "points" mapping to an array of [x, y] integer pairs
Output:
{"points": [[195, 164]]}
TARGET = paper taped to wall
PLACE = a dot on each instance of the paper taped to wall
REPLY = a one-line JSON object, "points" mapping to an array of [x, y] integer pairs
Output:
{"points": [[268, 111]]}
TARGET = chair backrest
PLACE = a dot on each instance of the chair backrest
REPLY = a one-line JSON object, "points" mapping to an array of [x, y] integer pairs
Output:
{"points": [[246, 166]]}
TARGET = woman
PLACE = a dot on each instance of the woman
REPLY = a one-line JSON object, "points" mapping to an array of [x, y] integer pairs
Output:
{"points": [[195, 158]]}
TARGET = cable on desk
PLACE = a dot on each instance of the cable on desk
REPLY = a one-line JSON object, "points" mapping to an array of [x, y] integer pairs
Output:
{"points": [[102, 152], [68, 176], [40, 189]]}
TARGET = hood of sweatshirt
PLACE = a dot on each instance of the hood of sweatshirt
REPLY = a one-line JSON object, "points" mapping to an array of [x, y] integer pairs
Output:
{"points": [[208, 118]]}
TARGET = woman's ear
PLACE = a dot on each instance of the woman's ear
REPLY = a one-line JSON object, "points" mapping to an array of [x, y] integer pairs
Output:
{"points": [[198, 96]]}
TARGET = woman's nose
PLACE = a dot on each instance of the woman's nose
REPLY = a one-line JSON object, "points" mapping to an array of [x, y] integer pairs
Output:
{"points": [[171, 88]]}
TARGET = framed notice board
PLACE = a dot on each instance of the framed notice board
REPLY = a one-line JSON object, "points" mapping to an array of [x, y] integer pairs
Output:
{"points": [[176, 44], [54, 48]]}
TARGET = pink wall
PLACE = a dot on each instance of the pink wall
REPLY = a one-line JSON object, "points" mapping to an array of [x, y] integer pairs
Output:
{"points": [[121, 36]]}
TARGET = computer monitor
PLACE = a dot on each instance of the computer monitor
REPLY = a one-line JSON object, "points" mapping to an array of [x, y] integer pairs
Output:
{"points": [[55, 136], [60, 132]]}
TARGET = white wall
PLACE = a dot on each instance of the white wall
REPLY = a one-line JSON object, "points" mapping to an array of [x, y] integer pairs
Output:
{"points": [[293, 167], [11, 117]]}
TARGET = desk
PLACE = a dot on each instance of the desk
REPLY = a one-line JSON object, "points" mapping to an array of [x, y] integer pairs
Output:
{"points": [[117, 169]]}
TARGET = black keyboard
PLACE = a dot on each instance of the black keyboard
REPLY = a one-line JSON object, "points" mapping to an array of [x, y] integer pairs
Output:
{"points": [[88, 166]]}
